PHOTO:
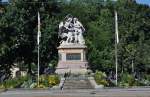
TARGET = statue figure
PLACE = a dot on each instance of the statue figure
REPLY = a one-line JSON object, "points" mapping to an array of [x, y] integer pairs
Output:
{"points": [[79, 29], [71, 31]]}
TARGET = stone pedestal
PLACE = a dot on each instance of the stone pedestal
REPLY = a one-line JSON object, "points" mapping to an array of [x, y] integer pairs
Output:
{"points": [[72, 58]]}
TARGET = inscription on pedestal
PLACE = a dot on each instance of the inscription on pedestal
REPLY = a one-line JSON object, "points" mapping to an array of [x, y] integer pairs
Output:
{"points": [[73, 56]]}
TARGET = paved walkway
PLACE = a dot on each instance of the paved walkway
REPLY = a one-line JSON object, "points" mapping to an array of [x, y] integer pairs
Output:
{"points": [[132, 92]]}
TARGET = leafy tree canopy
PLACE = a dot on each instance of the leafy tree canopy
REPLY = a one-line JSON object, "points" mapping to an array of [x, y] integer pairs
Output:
{"points": [[18, 33]]}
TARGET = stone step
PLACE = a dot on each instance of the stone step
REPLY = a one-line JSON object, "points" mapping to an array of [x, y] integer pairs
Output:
{"points": [[77, 83], [82, 84], [76, 86]]}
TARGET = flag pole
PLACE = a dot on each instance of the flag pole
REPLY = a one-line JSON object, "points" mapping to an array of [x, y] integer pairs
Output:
{"points": [[38, 64], [116, 46], [38, 42]]}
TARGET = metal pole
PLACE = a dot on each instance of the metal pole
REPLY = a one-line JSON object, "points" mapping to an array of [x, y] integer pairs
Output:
{"points": [[116, 42], [38, 64], [116, 62], [38, 42]]}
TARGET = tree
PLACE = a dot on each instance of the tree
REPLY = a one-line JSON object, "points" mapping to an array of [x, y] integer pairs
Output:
{"points": [[18, 33]]}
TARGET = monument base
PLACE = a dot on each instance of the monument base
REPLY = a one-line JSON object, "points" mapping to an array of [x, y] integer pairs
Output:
{"points": [[72, 59]]}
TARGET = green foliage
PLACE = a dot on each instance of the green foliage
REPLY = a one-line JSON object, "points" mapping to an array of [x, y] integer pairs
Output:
{"points": [[145, 81], [27, 82], [13, 83], [99, 36], [147, 77], [48, 81], [127, 80], [18, 34], [100, 78]]}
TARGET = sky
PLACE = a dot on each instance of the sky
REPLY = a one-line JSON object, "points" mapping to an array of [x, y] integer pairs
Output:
{"points": [[4, 0], [138, 1], [144, 2]]}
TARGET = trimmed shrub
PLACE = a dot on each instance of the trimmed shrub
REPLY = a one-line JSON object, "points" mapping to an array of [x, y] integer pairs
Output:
{"points": [[100, 78]]}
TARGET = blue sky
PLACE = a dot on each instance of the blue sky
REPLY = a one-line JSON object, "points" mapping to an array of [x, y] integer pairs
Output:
{"points": [[4, 0], [144, 2], [138, 1]]}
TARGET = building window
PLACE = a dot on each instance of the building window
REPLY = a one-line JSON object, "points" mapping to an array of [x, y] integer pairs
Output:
{"points": [[73, 56]]}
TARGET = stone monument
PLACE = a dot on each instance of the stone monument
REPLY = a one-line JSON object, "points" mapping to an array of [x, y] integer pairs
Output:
{"points": [[72, 49]]}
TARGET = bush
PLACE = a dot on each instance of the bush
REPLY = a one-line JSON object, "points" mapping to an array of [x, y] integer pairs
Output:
{"points": [[147, 77], [48, 80], [27, 84], [2, 86], [53, 80], [145, 81], [127, 80], [13, 83], [100, 78], [45, 81]]}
